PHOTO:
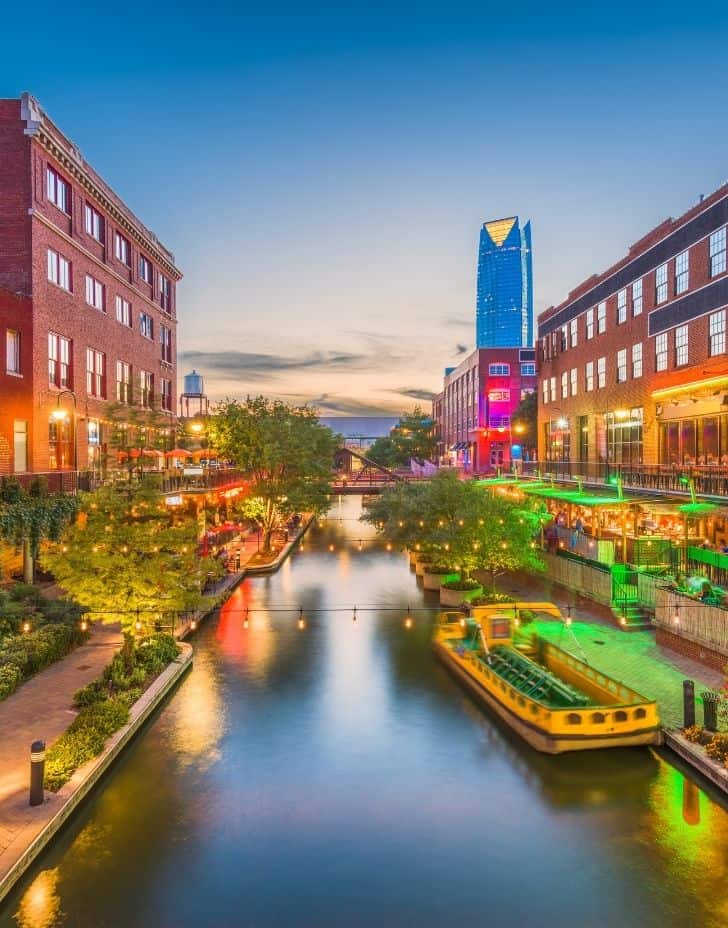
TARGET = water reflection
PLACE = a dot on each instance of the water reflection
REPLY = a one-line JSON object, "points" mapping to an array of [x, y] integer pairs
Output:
{"points": [[339, 776]]}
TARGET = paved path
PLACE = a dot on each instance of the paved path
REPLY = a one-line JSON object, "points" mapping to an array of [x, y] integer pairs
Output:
{"points": [[631, 657], [42, 708]]}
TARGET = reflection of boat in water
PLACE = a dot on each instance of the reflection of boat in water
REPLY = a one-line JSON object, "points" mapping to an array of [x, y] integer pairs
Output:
{"points": [[554, 701]]}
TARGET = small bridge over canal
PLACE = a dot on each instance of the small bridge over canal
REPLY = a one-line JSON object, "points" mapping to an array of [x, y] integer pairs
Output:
{"points": [[356, 473]]}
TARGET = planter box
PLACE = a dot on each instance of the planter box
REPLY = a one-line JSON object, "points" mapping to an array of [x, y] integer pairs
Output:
{"points": [[458, 597], [435, 581], [420, 568]]}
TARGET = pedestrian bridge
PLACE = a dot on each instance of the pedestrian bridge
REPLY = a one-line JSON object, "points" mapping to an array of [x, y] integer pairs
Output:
{"points": [[356, 473]]}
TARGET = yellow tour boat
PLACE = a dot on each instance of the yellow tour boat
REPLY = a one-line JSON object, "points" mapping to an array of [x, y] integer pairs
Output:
{"points": [[553, 700]]}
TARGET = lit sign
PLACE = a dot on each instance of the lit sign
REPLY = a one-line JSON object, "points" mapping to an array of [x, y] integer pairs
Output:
{"points": [[173, 500], [499, 396]]}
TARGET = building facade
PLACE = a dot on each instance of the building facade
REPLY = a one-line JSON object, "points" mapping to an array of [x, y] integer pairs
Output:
{"points": [[98, 294], [504, 304], [473, 414], [633, 365]]}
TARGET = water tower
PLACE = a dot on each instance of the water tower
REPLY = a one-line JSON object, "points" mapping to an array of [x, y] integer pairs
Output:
{"points": [[193, 401]]}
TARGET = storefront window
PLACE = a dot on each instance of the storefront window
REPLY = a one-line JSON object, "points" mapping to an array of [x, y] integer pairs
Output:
{"points": [[60, 447], [699, 441], [624, 436]]}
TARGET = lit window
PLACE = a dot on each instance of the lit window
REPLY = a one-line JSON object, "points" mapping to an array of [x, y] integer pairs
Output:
{"points": [[146, 325], [621, 365], [146, 387], [59, 361], [637, 360], [589, 376], [59, 270], [601, 372], [123, 382], [564, 385], [528, 368], [717, 252], [545, 389], [12, 351], [681, 345], [59, 191], [165, 339], [590, 323], [96, 373], [499, 370], [621, 306], [145, 269], [122, 249], [552, 386], [637, 297], [573, 332], [602, 318], [165, 293], [682, 267], [661, 284], [717, 332], [94, 223], [573, 379], [123, 311], [661, 352], [94, 293]]}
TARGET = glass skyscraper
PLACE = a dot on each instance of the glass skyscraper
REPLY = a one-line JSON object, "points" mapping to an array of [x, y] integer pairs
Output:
{"points": [[504, 309]]}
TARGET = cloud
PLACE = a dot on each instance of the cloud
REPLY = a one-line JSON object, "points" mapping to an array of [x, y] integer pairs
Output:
{"points": [[348, 406], [258, 366], [415, 393]]}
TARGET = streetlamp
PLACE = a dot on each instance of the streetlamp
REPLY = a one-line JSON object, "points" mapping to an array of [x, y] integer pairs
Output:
{"points": [[60, 415]]}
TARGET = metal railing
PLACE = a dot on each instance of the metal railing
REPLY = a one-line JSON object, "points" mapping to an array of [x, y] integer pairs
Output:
{"points": [[708, 479]]}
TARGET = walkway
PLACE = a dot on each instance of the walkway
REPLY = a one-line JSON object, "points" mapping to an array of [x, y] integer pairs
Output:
{"points": [[632, 657], [42, 708]]}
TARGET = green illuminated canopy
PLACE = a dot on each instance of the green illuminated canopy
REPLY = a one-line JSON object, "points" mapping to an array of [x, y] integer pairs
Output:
{"points": [[697, 509]]}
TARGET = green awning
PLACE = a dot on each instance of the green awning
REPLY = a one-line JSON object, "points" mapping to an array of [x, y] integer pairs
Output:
{"points": [[581, 498], [697, 509]]}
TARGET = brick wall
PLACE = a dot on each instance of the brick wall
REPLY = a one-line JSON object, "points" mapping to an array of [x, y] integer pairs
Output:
{"points": [[691, 649], [16, 391]]}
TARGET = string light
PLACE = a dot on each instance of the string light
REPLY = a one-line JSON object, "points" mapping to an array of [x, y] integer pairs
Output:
{"points": [[138, 625], [462, 622], [353, 618], [408, 619], [301, 620], [245, 620], [84, 625], [331, 547], [389, 546], [26, 627], [193, 624]]}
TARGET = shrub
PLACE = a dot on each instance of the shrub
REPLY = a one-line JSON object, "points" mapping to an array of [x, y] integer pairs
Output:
{"points": [[89, 694], [440, 569], [463, 583], [717, 748], [488, 597], [692, 734], [157, 651], [10, 677]]}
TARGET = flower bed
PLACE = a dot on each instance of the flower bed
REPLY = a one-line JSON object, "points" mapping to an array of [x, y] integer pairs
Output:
{"points": [[104, 705], [714, 744]]}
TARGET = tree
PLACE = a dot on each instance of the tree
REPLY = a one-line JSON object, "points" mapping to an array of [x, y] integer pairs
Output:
{"points": [[412, 437], [128, 553], [30, 516], [459, 523], [525, 422], [287, 454]]}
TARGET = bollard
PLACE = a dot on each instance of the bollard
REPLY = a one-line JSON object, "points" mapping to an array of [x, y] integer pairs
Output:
{"points": [[37, 772], [688, 703], [710, 710]]}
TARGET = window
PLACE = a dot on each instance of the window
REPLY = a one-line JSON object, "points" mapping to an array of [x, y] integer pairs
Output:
{"points": [[573, 379], [122, 249], [146, 387], [624, 436], [681, 345], [574, 332], [601, 318], [499, 370], [59, 361], [601, 372], [622, 306], [545, 390], [552, 386], [637, 360], [590, 323], [123, 311], [499, 422], [146, 325], [60, 443], [661, 284], [20, 446], [145, 269], [94, 293], [59, 191], [528, 368], [717, 252], [94, 222], [621, 365], [59, 270], [637, 297], [166, 395], [589, 376], [564, 384], [564, 337], [661, 352], [682, 263], [499, 396], [716, 333], [96, 373], [165, 294], [12, 351], [165, 338], [123, 382]]}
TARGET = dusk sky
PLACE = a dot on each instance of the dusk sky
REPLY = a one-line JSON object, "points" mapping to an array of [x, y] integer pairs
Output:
{"points": [[321, 172]]}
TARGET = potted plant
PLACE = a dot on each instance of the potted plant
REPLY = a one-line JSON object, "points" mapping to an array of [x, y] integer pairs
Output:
{"points": [[436, 574], [422, 563], [457, 592]]}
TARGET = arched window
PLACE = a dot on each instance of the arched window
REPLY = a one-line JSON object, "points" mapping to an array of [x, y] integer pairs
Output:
{"points": [[620, 716], [573, 718], [598, 718]]}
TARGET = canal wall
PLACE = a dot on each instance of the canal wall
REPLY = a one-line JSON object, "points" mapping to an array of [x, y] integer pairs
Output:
{"points": [[698, 760], [43, 822]]}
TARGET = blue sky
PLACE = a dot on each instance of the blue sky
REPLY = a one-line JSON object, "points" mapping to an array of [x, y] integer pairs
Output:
{"points": [[321, 173]]}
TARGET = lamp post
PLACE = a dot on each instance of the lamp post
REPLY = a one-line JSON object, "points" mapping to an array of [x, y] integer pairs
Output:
{"points": [[60, 415]]}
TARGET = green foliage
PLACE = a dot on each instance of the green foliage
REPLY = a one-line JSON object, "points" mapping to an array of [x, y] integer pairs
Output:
{"points": [[459, 523], [462, 583], [285, 451], [127, 551], [10, 678], [412, 437], [489, 597], [717, 748], [83, 740], [525, 417]]}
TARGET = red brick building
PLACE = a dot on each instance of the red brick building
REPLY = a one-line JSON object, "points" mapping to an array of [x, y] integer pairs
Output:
{"points": [[87, 302], [633, 367], [473, 414]]}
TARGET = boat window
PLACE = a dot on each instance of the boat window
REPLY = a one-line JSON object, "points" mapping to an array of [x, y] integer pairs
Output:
{"points": [[597, 717], [640, 713], [620, 716], [573, 718]]}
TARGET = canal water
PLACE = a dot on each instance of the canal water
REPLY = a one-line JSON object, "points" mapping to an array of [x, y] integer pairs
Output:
{"points": [[338, 776]]}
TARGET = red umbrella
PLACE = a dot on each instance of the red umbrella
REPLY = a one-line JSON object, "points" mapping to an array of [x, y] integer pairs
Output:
{"points": [[179, 453]]}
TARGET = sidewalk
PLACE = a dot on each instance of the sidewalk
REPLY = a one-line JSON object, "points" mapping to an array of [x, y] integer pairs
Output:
{"points": [[42, 708]]}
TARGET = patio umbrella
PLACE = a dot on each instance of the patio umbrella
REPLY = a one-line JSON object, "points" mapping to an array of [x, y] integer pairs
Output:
{"points": [[178, 453], [204, 453]]}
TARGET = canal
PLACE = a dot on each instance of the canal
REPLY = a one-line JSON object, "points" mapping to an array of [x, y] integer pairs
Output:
{"points": [[337, 776]]}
